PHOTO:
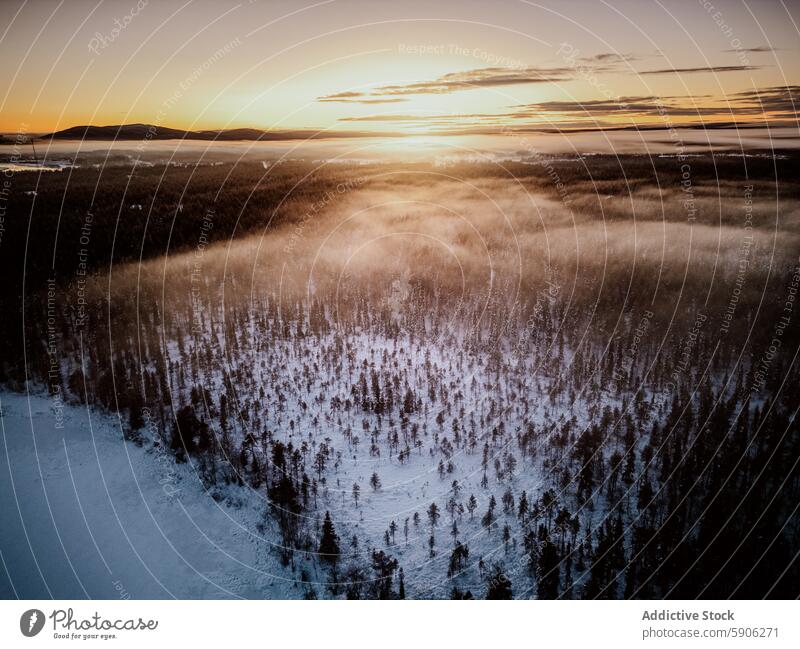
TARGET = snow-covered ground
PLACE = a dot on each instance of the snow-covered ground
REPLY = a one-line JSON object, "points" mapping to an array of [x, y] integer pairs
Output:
{"points": [[460, 429], [86, 514], [479, 426]]}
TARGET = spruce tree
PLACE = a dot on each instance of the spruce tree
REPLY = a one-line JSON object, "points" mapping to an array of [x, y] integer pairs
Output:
{"points": [[499, 586], [329, 543]]}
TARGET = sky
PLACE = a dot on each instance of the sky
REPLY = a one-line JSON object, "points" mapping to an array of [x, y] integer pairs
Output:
{"points": [[354, 67]]}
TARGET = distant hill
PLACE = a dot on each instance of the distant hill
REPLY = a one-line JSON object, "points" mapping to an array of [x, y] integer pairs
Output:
{"points": [[151, 132], [128, 132]]}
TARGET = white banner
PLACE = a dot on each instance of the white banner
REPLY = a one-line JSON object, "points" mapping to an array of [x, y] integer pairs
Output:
{"points": [[398, 624]]}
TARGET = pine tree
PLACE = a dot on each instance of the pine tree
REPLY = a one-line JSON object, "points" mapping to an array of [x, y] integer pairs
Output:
{"points": [[433, 514], [548, 571], [472, 505], [375, 482], [498, 586], [384, 566], [329, 543], [522, 511]]}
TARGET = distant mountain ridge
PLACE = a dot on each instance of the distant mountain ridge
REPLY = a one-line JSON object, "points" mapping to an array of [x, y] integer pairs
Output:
{"points": [[152, 132]]}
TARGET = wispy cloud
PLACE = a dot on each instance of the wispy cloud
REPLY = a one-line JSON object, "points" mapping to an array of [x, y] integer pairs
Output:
{"points": [[754, 50], [774, 105], [453, 82], [490, 77], [350, 94], [352, 97], [483, 77], [784, 100], [715, 69], [624, 106], [612, 58], [777, 102]]}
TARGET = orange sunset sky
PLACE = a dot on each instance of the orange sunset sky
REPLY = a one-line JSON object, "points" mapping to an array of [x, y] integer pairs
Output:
{"points": [[401, 67]]}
